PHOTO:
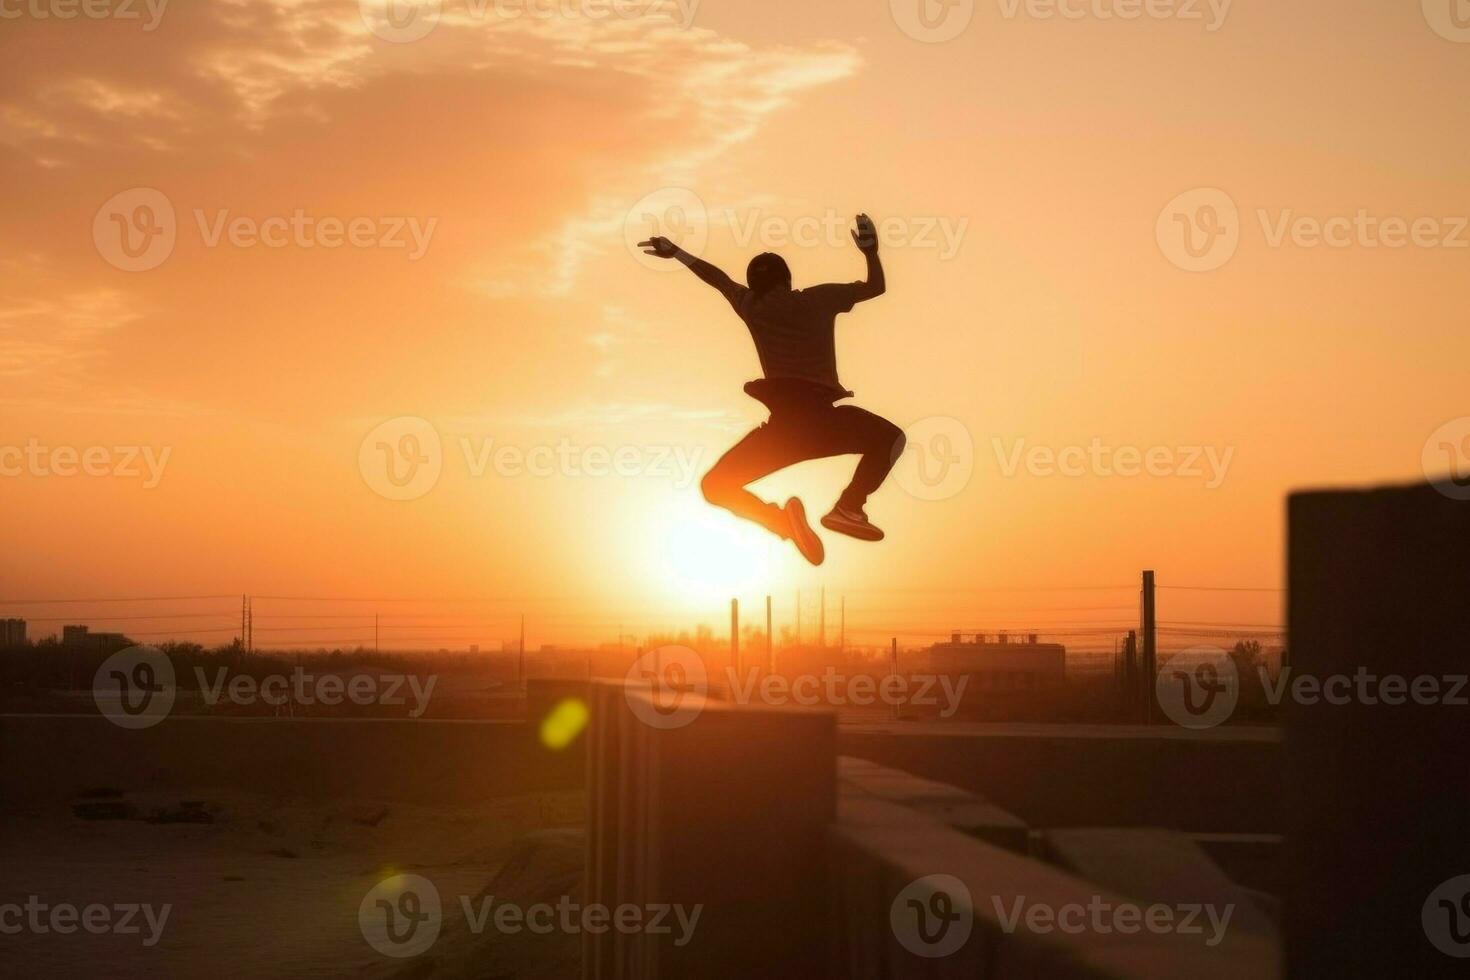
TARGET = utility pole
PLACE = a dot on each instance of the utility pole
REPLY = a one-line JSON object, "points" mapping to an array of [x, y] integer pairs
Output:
{"points": [[1131, 674], [893, 669], [521, 656], [1150, 645], [375, 633], [822, 622], [735, 635], [244, 615], [770, 655]]}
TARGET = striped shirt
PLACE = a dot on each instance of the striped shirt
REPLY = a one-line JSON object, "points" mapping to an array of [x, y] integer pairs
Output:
{"points": [[794, 329]]}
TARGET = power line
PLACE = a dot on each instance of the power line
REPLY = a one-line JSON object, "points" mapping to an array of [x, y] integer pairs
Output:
{"points": [[1251, 626], [459, 599], [159, 598], [222, 629], [121, 619], [1219, 588], [1131, 587]]}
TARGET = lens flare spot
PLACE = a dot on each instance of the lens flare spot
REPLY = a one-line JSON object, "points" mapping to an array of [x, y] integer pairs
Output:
{"points": [[564, 723]]}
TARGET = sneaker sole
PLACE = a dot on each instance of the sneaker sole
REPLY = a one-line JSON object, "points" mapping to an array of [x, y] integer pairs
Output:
{"points": [[863, 532], [801, 531]]}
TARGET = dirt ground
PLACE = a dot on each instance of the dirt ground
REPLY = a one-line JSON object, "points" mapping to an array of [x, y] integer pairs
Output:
{"points": [[269, 889]]}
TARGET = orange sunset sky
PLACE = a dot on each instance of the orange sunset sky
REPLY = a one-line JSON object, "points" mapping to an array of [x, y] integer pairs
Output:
{"points": [[531, 150]]}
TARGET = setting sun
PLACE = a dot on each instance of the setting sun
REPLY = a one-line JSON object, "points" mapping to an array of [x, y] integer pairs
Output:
{"points": [[701, 558]]}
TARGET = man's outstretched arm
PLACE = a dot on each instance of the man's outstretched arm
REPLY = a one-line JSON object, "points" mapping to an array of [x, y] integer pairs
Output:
{"points": [[711, 274], [866, 237]]}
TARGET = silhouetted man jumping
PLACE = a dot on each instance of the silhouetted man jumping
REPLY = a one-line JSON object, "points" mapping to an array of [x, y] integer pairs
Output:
{"points": [[793, 332]]}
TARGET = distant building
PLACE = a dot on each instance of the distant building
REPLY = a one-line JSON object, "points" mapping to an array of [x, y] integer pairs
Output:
{"points": [[12, 633], [82, 636], [1002, 662]]}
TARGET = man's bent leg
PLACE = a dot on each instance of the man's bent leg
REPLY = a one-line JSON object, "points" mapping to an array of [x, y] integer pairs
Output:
{"points": [[881, 442], [762, 452]]}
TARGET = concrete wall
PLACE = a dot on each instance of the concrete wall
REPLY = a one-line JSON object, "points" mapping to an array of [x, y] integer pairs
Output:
{"points": [[727, 810], [46, 758], [1227, 780], [1378, 793]]}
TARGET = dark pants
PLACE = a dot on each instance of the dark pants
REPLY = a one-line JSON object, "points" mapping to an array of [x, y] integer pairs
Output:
{"points": [[799, 430]]}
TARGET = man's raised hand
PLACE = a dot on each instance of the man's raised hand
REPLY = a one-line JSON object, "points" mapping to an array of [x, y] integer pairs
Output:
{"points": [[866, 235], [660, 246]]}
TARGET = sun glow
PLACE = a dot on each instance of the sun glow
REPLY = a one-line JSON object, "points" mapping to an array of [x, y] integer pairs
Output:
{"points": [[704, 556]]}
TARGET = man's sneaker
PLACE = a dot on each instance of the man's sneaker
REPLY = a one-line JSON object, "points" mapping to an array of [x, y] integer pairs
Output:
{"points": [[801, 533], [853, 523]]}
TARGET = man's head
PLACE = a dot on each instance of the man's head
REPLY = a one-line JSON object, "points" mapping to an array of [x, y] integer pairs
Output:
{"points": [[766, 272]]}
